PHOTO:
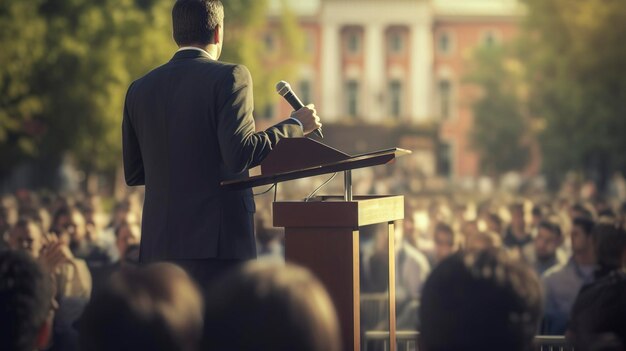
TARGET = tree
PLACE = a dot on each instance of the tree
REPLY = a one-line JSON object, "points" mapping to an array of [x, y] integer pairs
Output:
{"points": [[500, 133], [65, 66], [246, 23], [22, 48], [576, 60]]}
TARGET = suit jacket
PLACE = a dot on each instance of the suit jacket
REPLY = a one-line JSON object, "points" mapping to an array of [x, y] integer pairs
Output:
{"points": [[187, 126]]}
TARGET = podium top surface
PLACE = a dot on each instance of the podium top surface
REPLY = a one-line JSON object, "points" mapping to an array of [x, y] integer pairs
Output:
{"points": [[296, 158]]}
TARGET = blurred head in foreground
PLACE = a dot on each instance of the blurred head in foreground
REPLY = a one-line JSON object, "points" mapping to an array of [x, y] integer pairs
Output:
{"points": [[268, 306], [481, 300], [26, 303], [151, 308]]}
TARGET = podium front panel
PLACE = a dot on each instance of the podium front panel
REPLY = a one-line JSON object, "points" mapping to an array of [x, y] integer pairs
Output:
{"points": [[340, 241]]}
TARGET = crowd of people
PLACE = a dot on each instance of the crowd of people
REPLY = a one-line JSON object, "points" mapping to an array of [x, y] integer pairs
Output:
{"points": [[491, 272]]}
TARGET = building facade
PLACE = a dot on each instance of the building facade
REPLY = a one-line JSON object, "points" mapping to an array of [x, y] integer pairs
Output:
{"points": [[399, 63]]}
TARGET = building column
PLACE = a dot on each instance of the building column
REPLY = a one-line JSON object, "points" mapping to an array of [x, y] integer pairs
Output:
{"points": [[421, 71], [375, 82], [331, 77]]}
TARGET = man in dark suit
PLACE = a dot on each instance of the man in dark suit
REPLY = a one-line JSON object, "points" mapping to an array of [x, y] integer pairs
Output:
{"points": [[188, 126]]}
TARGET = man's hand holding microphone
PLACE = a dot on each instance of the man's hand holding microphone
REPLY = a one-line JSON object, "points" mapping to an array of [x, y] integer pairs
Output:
{"points": [[306, 115]]}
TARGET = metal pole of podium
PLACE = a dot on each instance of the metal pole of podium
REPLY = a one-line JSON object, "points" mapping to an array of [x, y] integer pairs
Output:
{"points": [[347, 185]]}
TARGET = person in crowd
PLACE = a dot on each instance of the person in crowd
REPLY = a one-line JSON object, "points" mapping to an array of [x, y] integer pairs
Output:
{"points": [[126, 234], [269, 306], [71, 275], [4, 227], [579, 210], [447, 242], [549, 238], [562, 282], [27, 304], [483, 300], [156, 307], [598, 314], [269, 241], [494, 223], [516, 237], [537, 215], [482, 240], [609, 240], [412, 269]]}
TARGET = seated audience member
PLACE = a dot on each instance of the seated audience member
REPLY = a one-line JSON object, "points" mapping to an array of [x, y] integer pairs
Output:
{"points": [[268, 306], [547, 242], [71, 275], [447, 242], [152, 308], [599, 314], [26, 303], [562, 283], [481, 300]]}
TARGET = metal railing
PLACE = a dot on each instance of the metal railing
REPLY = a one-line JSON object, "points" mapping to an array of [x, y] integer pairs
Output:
{"points": [[408, 340]]}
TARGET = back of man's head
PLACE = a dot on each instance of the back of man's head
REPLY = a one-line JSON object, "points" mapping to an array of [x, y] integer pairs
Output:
{"points": [[25, 303], [194, 21], [267, 306], [480, 301], [610, 247], [151, 308]]}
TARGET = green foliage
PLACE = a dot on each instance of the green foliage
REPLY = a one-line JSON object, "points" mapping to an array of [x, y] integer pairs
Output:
{"points": [[500, 131], [578, 82], [65, 66], [245, 28], [564, 80], [22, 48]]}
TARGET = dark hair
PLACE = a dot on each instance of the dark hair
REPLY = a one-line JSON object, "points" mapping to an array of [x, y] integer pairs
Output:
{"points": [[444, 228], [495, 218], [585, 223], [25, 300], [610, 243], [597, 320], [265, 306], [585, 212], [195, 21], [482, 300], [552, 227], [152, 308]]}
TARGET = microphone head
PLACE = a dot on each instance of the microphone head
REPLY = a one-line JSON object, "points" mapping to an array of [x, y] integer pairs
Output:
{"points": [[282, 88]]}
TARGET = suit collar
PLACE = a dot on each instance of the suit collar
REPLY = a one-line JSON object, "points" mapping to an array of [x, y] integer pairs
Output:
{"points": [[191, 54]]}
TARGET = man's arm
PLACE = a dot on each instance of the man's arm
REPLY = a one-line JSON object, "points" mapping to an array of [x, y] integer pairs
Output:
{"points": [[241, 147], [133, 162]]}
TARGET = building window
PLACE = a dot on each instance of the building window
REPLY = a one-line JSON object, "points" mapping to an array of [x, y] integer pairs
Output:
{"points": [[268, 111], [444, 160], [353, 42], [304, 91], [309, 42], [269, 41], [352, 98], [444, 43], [396, 42], [490, 38], [395, 98], [445, 98]]}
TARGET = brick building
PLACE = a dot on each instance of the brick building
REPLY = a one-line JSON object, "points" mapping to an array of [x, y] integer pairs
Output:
{"points": [[396, 64]]}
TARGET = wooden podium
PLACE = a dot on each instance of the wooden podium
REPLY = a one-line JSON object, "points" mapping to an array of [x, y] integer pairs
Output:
{"points": [[322, 234]]}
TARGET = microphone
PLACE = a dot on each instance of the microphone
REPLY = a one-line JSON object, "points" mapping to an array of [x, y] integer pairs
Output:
{"points": [[284, 89]]}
